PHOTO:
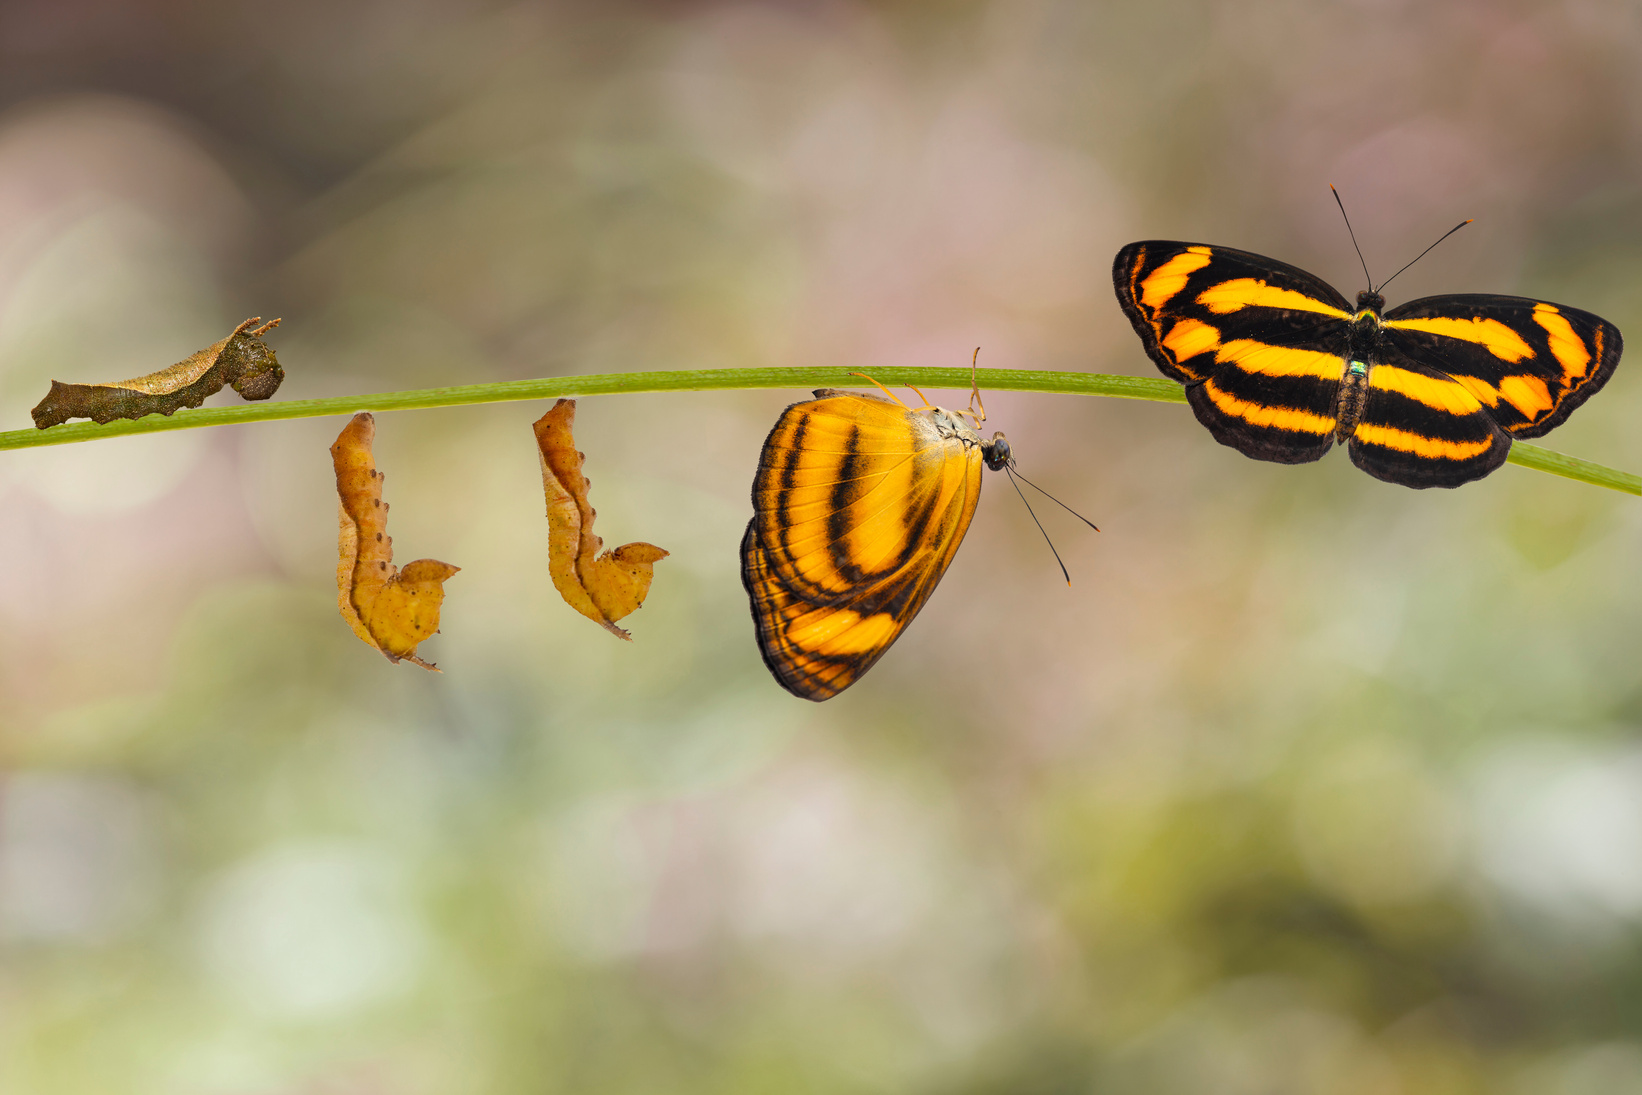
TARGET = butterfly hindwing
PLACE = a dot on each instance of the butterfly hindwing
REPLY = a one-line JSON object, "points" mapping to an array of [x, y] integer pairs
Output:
{"points": [[859, 506], [1421, 427], [1270, 402], [818, 650]]}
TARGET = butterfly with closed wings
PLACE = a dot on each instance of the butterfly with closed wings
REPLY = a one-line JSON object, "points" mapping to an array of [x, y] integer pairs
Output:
{"points": [[859, 505]]}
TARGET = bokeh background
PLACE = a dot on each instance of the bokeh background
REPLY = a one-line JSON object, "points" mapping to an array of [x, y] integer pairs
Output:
{"points": [[1309, 783]]}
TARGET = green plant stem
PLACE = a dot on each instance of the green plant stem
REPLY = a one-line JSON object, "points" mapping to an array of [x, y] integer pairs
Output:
{"points": [[700, 380]]}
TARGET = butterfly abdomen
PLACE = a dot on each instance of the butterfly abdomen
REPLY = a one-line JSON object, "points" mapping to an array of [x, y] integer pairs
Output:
{"points": [[1353, 398]]}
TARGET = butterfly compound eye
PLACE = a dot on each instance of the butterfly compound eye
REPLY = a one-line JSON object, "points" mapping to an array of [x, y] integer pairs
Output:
{"points": [[997, 452]]}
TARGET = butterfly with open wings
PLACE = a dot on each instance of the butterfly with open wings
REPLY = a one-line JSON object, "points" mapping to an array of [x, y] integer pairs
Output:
{"points": [[1278, 365]]}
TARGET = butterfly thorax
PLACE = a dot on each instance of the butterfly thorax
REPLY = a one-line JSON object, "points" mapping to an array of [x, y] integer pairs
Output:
{"points": [[951, 424], [1362, 353]]}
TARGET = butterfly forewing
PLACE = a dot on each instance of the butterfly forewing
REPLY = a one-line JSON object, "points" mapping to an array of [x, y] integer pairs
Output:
{"points": [[1529, 363], [1277, 365], [859, 506], [1257, 343], [846, 490]]}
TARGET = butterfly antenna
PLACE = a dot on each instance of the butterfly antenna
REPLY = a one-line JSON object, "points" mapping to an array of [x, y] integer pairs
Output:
{"points": [[1058, 502], [1039, 523], [1428, 250], [1353, 236]]}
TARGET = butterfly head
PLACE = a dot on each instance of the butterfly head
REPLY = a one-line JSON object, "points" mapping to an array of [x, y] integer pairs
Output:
{"points": [[1370, 301], [996, 453]]}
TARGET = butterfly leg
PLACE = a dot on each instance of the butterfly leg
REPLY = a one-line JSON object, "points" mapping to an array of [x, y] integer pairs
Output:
{"points": [[891, 394]]}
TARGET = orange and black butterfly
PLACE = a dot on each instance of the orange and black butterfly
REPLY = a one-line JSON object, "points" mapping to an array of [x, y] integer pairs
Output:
{"points": [[859, 505], [1279, 366]]}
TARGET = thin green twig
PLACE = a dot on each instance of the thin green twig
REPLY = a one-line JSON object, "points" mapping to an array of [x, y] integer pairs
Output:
{"points": [[552, 387], [1572, 467], [699, 380]]}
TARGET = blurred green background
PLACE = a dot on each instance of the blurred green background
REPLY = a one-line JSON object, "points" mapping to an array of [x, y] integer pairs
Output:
{"points": [[1309, 783]]}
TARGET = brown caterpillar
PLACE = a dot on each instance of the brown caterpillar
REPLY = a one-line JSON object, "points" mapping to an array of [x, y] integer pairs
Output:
{"points": [[240, 361]]}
